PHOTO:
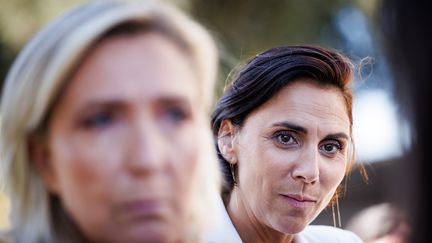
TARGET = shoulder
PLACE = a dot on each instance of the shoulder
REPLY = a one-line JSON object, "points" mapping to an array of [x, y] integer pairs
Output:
{"points": [[223, 231], [328, 234]]}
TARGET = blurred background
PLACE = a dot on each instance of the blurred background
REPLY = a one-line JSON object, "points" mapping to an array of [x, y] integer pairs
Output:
{"points": [[244, 28]]}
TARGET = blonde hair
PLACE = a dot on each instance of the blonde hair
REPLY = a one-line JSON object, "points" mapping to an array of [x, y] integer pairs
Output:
{"points": [[35, 80]]}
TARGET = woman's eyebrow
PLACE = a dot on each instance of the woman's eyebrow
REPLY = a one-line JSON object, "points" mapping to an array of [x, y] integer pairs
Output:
{"points": [[338, 135], [302, 129], [291, 126]]}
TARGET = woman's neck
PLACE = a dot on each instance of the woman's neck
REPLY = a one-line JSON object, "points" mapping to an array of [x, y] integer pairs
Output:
{"points": [[249, 227]]}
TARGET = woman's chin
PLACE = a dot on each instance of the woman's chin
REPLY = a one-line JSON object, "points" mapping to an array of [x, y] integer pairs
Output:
{"points": [[290, 227], [149, 232]]}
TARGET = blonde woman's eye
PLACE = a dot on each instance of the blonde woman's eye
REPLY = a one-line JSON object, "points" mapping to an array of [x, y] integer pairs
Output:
{"points": [[176, 115], [99, 120]]}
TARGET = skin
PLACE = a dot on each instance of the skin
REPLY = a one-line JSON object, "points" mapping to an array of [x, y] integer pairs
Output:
{"points": [[121, 148], [291, 155]]}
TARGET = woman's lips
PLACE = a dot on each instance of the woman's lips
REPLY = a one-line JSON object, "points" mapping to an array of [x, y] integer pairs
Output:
{"points": [[299, 201], [139, 210]]}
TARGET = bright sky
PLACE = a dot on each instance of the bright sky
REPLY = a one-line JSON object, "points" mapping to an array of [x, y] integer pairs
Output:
{"points": [[379, 133]]}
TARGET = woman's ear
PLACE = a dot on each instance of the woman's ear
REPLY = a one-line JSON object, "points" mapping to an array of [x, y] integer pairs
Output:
{"points": [[39, 157], [225, 141]]}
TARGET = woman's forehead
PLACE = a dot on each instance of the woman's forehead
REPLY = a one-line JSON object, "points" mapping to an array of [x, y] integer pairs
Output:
{"points": [[305, 103]]}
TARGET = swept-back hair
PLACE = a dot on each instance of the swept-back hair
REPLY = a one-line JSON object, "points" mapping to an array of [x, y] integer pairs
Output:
{"points": [[264, 75]]}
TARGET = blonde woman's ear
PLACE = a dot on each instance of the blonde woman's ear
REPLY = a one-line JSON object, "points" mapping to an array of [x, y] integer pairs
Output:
{"points": [[226, 143], [39, 156]]}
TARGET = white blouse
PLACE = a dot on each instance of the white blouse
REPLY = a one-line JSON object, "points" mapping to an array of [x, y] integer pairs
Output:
{"points": [[225, 232]]}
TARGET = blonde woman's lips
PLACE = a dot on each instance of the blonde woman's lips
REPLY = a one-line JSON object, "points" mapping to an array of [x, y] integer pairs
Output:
{"points": [[139, 210]]}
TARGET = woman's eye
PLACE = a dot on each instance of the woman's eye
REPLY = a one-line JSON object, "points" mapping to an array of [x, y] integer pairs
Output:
{"points": [[284, 138], [331, 148], [176, 114], [98, 120]]}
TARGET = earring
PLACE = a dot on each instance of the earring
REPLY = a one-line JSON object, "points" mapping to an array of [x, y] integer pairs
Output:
{"points": [[232, 173], [339, 222]]}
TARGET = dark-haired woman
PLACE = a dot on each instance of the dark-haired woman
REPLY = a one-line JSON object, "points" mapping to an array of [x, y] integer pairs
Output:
{"points": [[284, 138]]}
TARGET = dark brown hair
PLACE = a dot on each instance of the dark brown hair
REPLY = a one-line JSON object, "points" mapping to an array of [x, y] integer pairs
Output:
{"points": [[263, 76]]}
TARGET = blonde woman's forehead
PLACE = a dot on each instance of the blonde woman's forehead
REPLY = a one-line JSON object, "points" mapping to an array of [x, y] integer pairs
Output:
{"points": [[142, 67]]}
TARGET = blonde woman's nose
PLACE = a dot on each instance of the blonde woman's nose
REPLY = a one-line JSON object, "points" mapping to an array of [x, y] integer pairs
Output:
{"points": [[145, 152]]}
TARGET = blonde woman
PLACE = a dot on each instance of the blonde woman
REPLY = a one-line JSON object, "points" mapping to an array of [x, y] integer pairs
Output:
{"points": [[104, 134]]}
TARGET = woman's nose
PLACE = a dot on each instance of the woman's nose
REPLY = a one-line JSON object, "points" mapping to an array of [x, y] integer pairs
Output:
{"points": [[145, 149], [306, 166]]}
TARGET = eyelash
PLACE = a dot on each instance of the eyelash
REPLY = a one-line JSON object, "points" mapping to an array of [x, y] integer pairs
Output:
{"points": [[278, 136], [335, 144], [292, 138], [98, 120], [176, 115]]}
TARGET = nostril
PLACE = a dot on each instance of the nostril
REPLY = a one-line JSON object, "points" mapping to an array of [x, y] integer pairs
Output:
{"points": [[306, 166], [308, 174], [308, 180]]}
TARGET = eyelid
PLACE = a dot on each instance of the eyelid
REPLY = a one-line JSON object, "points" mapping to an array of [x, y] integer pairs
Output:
{"points": [[335, 144], [291, 134], [98, 119], [173, 115], [339, 143], [283, 132], [176, 114]]}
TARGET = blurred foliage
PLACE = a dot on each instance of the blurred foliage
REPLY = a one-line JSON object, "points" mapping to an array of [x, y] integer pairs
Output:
{"points": [[242, 27], [20, 19], [247, 27]]}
